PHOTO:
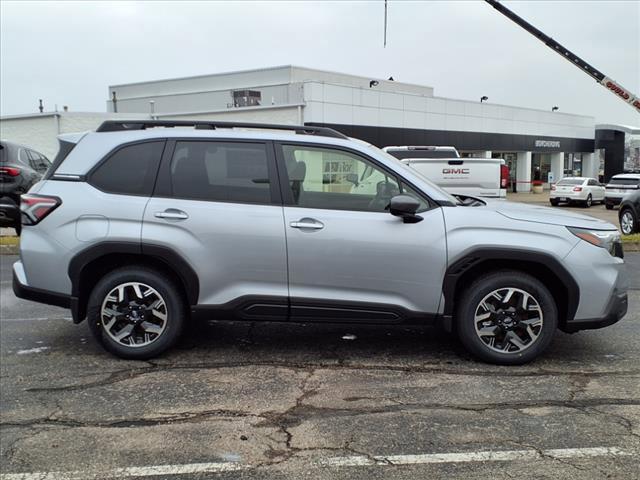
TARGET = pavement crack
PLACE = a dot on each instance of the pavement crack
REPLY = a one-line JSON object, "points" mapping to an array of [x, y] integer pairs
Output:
{"points": [[183, 417]]}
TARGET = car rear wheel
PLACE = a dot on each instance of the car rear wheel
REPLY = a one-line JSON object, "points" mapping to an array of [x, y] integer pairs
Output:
{"points": [[554, 202], [506, 317], [136, 312], [589, 201], [628, 222]]}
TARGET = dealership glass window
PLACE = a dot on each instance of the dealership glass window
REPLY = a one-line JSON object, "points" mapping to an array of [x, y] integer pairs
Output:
{"points": [[337, 180], [540, 166]]}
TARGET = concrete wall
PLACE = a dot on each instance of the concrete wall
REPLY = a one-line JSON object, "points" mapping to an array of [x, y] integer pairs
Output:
{"points": [[339, 104], [40, 131], [287, 115]]}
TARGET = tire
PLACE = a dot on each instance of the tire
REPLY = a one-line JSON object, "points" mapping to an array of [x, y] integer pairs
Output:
{"points": [[18, 228], [628, 222], [151, 316], [506, 320], [588, 202], [608, 206], [554, 202]]}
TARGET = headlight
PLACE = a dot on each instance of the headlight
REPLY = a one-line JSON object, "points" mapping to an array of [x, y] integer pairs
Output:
{"points": [[607, 239]]}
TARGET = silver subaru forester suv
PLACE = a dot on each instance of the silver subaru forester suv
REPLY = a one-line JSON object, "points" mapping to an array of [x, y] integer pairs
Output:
{"points": [[141, 227]]}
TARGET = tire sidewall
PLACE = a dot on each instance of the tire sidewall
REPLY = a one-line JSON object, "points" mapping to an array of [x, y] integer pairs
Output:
{"points": [[176, 312], [589, 201], [634, 224], [470, 299]]}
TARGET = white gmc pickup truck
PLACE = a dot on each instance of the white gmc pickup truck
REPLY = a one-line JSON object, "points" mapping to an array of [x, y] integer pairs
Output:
{"points": [[473, 177]]}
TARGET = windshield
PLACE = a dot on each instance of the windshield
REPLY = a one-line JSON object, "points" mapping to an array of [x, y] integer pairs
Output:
{"points": [[571, 181], [444, 193]]}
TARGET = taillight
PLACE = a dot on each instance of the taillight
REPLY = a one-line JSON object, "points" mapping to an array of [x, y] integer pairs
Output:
{"points": [[11, 171], [553, 187], [36, 207], [577, 189], [504, 176]]}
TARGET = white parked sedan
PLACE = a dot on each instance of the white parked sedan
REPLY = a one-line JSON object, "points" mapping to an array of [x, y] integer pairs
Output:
{"points": [[581, 190]]}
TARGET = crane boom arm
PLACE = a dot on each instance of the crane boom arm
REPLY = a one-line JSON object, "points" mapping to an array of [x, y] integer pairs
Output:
{"points": [[600, 77]]}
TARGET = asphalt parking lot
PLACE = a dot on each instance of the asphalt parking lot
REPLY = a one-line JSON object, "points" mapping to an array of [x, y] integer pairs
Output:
{"points": [[282, 401]]}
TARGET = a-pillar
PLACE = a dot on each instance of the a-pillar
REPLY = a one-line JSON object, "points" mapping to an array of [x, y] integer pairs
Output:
{"points": [[589, 167], [557, 166], [523, 172]]}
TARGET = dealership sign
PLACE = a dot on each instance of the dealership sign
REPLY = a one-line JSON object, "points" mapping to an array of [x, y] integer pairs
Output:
{"points": [[547, 143]]}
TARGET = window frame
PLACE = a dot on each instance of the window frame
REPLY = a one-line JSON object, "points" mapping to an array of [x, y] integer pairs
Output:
{"points": [[89, 175], [287, 194], [164, 186]]}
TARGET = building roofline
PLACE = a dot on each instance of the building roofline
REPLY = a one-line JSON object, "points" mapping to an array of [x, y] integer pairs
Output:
{"points": [[277, 67], [623, 128], [191, 77]]}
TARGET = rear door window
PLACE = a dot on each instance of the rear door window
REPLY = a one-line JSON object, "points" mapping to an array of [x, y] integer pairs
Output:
{"points": [[237, 172], [130, 170]]}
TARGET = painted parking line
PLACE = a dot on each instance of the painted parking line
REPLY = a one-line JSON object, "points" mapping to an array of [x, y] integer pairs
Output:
{"points": [[333, 462], [466, 457]]}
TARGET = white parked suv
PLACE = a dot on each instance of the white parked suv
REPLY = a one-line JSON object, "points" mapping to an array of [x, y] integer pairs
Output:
{"points": [[619, 187], [583, 190]]}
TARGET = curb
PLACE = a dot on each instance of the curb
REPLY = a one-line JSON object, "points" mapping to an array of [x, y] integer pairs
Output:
{"points": [[631, 247], [9, 249]]}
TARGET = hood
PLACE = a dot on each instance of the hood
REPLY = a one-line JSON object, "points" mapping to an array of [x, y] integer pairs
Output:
{"points": [[552, 216]]}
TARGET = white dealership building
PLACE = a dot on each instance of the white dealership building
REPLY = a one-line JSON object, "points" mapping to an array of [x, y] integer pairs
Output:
{"points": [[534, 143]]}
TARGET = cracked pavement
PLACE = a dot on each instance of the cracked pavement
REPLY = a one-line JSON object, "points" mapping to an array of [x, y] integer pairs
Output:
{"points": [[282, 398]]}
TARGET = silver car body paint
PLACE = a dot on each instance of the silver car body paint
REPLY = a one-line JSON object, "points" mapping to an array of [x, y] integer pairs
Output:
{"points": [[240, 249]]}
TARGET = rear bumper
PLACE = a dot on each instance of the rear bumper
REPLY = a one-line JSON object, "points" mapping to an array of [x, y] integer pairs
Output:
{"points": [[568, 195], [616, 309], [25, 292]]}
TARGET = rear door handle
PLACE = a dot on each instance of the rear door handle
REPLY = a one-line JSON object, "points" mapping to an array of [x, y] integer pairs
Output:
{"points": [[172, 213], [310, 223]]}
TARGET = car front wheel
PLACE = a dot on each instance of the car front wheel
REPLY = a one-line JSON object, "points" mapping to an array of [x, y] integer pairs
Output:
{"points": [[136, 312], [506, 317], [628, 222]]}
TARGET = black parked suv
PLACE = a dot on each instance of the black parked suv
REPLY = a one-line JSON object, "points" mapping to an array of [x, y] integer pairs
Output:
{"points": [[630, 214], [20, 168]]}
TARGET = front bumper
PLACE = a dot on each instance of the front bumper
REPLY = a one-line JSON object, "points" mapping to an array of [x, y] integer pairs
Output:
{"points": [[616, 309]]}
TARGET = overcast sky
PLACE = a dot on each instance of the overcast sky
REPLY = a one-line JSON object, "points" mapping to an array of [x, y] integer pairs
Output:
{"points": [[67, 53]]}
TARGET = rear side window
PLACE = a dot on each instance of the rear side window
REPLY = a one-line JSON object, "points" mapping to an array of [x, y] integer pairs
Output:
{"points": [[221, 172], [131, 170]]}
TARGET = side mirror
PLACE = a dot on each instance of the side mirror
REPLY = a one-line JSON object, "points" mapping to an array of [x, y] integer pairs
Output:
{"points": [[405, 207]]}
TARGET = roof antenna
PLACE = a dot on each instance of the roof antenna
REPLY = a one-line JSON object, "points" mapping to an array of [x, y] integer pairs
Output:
{"points": [[385, 24]]}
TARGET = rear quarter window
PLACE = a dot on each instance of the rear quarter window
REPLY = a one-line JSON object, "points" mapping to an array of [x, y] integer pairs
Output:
{"points": [[130, 170]]}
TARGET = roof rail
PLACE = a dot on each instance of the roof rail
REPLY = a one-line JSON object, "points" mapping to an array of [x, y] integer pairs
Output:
{"points": [[123, 125]]}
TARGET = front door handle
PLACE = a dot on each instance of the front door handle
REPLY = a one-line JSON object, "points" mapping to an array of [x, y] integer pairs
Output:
{"points": [[172, 214], [310, 223]]}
